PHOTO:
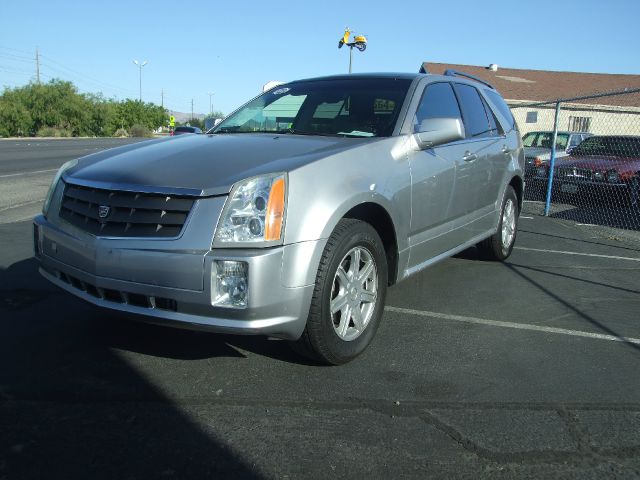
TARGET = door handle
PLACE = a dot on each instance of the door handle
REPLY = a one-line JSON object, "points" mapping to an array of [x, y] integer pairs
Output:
{"points": [[469, 157]]}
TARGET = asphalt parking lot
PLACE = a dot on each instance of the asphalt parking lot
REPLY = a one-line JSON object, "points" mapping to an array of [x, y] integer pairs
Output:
{"points": [[526, 369]]}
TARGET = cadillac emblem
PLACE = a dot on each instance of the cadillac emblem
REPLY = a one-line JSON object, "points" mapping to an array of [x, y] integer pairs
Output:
{"points": [[103, 211]]}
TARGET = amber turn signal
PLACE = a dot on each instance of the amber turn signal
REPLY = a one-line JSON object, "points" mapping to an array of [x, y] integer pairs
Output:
{"points": [[275, 211]]}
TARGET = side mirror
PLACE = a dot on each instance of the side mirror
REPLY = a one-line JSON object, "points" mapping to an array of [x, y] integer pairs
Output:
{"points": [[437, 131]]}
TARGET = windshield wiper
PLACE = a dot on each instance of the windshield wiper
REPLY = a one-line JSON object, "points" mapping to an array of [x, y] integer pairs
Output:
{"points": [[231, 130], [295, 131]]}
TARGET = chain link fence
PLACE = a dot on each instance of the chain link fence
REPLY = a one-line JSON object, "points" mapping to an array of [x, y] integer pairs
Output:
{"points": [[583, 158]]}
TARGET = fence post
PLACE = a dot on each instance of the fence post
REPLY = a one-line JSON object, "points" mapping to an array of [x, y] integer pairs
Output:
{"points": [[552, 161]]}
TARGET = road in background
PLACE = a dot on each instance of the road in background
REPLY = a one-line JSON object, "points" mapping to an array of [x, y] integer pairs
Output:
{"points": [[28, 166]]}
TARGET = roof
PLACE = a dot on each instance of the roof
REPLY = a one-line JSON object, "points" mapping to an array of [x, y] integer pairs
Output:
{"points": [[540, 85], [361, 76]]}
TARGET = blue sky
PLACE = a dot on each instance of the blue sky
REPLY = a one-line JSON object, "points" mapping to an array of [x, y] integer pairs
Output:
{"points": [[233, 48]]}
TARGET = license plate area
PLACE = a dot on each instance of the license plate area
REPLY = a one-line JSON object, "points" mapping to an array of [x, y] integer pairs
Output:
{"points": [[568, 188]]}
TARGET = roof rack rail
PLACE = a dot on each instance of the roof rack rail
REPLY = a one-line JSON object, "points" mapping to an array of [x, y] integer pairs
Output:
{"points": [[456, 73]]}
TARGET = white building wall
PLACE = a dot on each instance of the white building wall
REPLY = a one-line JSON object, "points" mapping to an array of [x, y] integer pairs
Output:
{"points": [[603, 119]]}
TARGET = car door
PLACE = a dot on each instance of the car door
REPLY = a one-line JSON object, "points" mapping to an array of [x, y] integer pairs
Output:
{"points": [[434, 208], [482, 165]]}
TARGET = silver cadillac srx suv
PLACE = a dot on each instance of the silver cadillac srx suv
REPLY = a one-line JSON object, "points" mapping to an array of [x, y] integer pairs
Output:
{"points": [[293, 215]]}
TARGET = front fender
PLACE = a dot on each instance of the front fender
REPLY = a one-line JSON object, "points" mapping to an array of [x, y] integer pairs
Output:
{"points": [[322, 192]]}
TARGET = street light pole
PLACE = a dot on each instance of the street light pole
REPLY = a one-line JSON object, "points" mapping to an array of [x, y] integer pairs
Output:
{"points": [[210, 104], [140, 65]]}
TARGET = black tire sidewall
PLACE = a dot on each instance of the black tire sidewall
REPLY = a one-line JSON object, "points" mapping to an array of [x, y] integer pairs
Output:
{"points": [[509, 194], [332, 347]]}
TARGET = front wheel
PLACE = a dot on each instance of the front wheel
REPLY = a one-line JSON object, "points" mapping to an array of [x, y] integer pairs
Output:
{"points": [[349, 294], [500, 244]]}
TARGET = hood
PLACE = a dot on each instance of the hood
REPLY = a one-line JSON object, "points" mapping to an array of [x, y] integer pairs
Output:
{"points": [[535, 151], [202, 165], [599, 162]]}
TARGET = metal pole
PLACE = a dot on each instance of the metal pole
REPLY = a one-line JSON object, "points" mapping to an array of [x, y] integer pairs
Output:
{"points": [[552, 161], [37, 66], [140, 66], [350, 57]]}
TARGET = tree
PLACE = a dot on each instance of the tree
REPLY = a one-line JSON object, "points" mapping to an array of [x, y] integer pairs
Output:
{"points": [[15, 119], [57, 108]]}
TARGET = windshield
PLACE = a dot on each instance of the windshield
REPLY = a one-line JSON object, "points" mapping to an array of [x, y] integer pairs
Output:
{"points": [[544, 139], [609, 146], [345, 107]]}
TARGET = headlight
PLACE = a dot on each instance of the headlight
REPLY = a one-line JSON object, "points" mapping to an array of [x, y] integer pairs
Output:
{"points": [[598, 176], [612, 176], [254, 212], [54, 183]]}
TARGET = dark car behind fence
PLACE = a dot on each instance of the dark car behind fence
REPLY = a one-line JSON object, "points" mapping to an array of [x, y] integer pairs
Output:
{"points": [[598, 181]]}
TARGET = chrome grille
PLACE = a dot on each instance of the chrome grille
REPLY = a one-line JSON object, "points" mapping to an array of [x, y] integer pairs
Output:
{"points": [[579, 174], [114, 213]]}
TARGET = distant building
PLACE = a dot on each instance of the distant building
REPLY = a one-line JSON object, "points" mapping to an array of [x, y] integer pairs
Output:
{"points": [[618, 114]]}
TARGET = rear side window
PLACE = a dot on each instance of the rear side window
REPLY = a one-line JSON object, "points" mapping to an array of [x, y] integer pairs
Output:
{"points": [[502, 107], [494, 126], [438, 101], [475, 118]]}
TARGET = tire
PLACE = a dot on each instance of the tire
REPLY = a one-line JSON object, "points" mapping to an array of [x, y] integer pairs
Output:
{"points": [[335, 333], [499, 245]]}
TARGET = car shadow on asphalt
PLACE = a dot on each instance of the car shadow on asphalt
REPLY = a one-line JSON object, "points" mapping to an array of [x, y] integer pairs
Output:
{"points": [[581, 314], [72, 406], [473, 254], [604, 215], [576, 239]]}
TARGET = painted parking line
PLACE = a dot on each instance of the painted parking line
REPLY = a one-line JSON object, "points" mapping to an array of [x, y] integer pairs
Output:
{"points": [[28, 173], [517, 326], [23, 204], [563, 252]]}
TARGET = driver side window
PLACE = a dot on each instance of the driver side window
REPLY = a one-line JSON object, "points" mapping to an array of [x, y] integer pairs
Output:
{"points": [[438, 101]]}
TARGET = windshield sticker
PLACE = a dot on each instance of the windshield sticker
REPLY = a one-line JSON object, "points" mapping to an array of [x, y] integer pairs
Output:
{"points": [[280, 91]]}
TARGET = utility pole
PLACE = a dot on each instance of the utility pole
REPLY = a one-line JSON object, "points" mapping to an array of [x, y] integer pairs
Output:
{"points": [[37, 66], [210, 104], [162, 98], [192, 109]]}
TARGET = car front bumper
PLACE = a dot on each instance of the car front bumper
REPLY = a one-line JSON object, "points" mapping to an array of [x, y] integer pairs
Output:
{"points": [[171, 285]]}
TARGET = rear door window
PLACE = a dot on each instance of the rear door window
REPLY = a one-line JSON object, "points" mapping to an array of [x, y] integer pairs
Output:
{"points": [[475, 118]]}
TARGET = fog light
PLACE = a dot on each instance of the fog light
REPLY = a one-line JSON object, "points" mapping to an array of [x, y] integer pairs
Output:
{"points": [[230, 284]]}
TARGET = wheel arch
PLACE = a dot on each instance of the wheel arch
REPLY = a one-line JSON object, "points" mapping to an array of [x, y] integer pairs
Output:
{"points": [[518, 185], [378, 217]]}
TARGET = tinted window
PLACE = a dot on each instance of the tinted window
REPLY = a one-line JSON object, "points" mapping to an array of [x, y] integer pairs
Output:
{"points": [[475, 118], [358, 107], [494, 128], [610, 146], [502, 107], [438, 101]]}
